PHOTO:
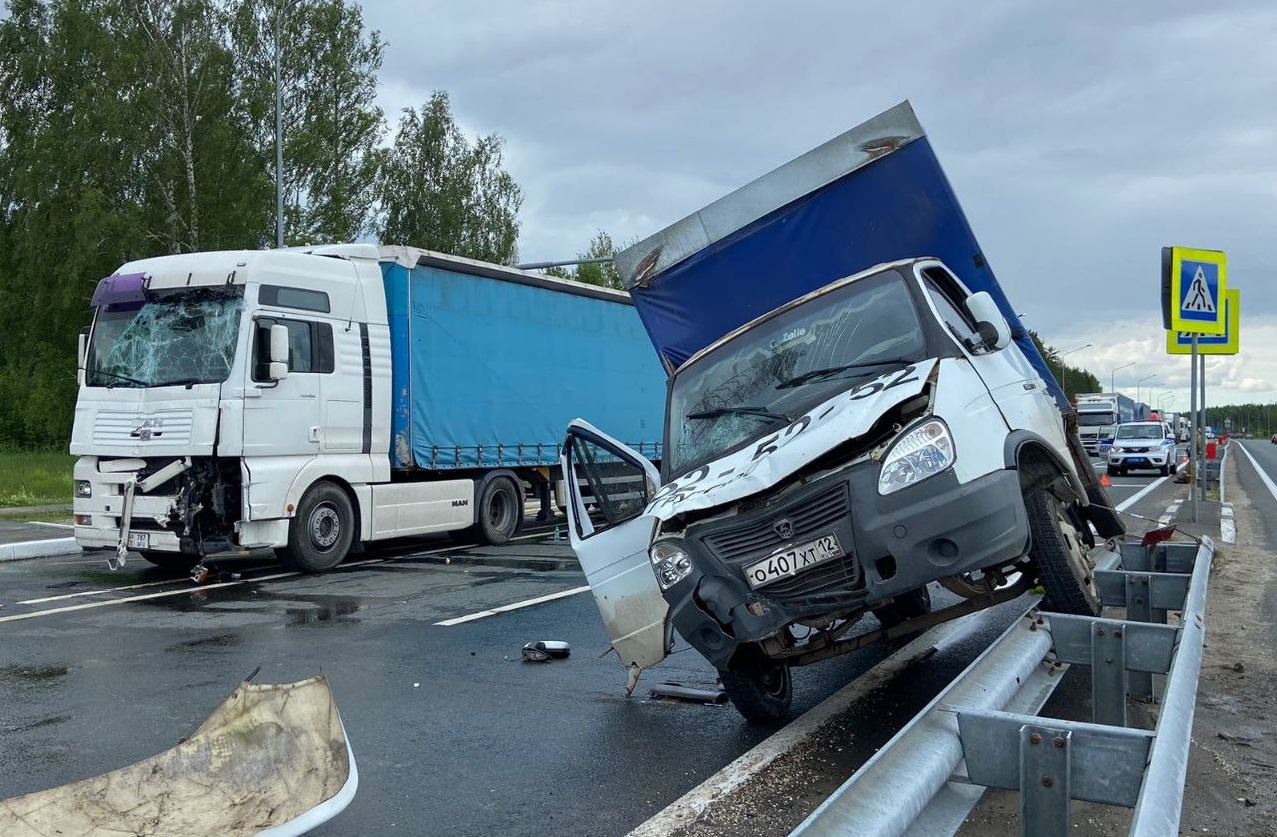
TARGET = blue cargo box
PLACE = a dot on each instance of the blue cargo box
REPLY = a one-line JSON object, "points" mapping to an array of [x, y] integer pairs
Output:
{"points": [[489, 364], [872, 195]]}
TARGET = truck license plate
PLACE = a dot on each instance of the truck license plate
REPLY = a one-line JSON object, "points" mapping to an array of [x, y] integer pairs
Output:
{"points": [[787, 562], [139, 540]]}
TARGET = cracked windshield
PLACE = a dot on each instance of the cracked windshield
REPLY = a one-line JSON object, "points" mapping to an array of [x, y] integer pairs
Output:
{"points": [[771, 374], [178, 336]]}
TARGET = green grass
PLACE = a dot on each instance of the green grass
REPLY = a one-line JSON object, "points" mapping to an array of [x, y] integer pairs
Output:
{"points": [[35, 478]]}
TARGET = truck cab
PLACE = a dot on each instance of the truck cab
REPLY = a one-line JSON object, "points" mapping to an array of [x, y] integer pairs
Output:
{"points": [[824, 462]]}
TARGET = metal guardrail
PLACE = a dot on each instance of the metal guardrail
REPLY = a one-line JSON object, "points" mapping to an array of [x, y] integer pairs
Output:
{"points": [[982, 730]]}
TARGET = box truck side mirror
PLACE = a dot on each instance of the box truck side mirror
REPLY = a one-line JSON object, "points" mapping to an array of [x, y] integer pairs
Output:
{"points": [[990, 324], [278, 369]]}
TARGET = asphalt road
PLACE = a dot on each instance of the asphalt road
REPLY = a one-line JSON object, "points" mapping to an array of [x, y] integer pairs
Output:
{"points": [[452, 733]]}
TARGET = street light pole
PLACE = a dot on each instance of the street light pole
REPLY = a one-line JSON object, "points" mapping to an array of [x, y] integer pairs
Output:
{"points": [[1113, 375], [1137, 386], [279, 140], [1064, 369]]}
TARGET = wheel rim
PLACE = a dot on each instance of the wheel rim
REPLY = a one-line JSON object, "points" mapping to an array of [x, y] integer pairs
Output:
{"points": [[500, 510], [1078, 555], [773, 681], [325, 526]]}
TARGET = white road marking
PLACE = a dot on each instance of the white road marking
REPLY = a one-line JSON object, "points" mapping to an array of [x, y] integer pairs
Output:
{"points": [[562, 594], [692, 805], [54, 525], [1272, 489], [1140, 495], [1171, 510]]}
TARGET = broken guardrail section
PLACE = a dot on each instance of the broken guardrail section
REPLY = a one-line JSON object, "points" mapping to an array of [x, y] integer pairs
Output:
{"points": [[983, 731]]}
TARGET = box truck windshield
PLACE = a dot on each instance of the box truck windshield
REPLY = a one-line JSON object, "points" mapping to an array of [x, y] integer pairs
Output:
{"points": [[774, 370], [176, 336]]}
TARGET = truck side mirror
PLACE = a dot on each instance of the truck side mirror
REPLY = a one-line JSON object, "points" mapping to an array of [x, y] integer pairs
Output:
{"points": [[82, 358], [278, 369], [989, 322]]}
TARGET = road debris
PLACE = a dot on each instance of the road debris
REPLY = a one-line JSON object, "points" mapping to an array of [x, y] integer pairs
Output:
{"points": [[545, 650], [277, 756], [694, 694]]}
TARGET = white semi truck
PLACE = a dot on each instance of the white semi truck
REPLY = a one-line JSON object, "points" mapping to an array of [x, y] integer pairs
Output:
{"points": [[310, 401]]}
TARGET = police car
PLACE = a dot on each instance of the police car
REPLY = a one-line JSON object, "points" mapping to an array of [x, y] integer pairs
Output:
{"points": [[1142, 445]]}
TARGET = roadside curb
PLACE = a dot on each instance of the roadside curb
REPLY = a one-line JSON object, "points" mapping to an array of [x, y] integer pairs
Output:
{"points": [[38, 549], [1227, 525]]}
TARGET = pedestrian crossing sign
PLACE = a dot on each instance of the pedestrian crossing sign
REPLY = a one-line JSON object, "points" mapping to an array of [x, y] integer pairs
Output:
{"points": [[1228, 343], [1195, 290]]}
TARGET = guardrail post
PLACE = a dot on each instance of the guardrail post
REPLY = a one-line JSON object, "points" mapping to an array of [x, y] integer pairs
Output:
{"points": [[1044, 781], [1109, 676], [1139, 609]]}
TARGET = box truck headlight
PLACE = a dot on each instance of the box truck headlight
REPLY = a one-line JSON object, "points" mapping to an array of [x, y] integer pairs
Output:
{"points": [[924, 451], [670, 562], [83, 488]]}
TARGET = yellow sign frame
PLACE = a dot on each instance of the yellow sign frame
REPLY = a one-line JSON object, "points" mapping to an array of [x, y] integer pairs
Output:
{"points": [[1179, 322], [1228, 343]]}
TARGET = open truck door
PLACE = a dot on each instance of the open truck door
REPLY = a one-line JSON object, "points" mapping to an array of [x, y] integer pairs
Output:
{"points": [[612, 543]]}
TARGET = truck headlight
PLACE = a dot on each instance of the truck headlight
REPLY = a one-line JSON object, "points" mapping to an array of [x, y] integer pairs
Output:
{"points": [[924, 451], [83, 488], [670, 562]]}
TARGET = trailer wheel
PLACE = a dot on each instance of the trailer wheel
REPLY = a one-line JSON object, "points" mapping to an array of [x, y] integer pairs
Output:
{"points": [[500, 511], [761, 695], [320, 535], [1060, 554], [905, 606], [176, 561]]}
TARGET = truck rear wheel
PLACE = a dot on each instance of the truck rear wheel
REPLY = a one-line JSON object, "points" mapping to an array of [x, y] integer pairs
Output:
{"points": [[320, 535], [762, 695], [500, 511], [1061, 556]]}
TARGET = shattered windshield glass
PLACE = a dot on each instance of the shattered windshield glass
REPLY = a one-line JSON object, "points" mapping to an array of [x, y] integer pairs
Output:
{"points": [[177, 336], [769, 375]]}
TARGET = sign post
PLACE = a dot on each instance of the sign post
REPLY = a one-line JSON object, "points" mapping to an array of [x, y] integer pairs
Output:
{"points": [[1194, 303]]}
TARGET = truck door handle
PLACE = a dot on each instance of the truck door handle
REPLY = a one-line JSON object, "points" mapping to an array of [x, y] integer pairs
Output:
{"points": [[314, 434], [1028, 385]]}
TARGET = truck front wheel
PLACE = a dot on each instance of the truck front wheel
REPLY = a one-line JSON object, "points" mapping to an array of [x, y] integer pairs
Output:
{"points": [[762, 695], [500, 510], [321, 534], [1061, 556]]}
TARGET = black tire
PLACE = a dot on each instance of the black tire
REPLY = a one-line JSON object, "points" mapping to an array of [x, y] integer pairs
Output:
{"points": [[1112, 472], [321, 534], [175, 561], [762, 696], [1060, 555], [499, 511], [1101, 514], [905, 606], [1165, 470]]}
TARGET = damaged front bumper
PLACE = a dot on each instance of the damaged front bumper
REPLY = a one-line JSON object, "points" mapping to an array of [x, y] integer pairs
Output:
{"points": [[271, 760], [890, 545]]}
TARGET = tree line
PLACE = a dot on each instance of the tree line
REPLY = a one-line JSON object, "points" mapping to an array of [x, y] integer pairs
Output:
{"points": [[134, 128]]}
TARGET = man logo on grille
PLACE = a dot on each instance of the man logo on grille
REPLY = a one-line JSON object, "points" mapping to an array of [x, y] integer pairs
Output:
{"points": [[784, 528]]}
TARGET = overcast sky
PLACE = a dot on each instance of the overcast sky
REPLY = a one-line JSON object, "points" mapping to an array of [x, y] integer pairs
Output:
{"points": [[1080, 137]]}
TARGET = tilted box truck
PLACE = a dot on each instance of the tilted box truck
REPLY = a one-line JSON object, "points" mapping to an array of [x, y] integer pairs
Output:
{"points": [[310, 401], [853, 412]]}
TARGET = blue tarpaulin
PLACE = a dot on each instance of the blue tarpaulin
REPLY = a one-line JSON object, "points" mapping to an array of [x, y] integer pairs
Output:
{"points": [[489, 372], [876, 194]]}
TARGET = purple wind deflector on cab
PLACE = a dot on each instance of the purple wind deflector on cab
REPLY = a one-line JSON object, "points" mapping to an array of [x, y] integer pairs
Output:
{"points": [[118, 290]]}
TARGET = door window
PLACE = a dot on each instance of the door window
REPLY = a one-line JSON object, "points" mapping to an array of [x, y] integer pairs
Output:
{"points": [[310, 346], [948, 301], [617, 488]]}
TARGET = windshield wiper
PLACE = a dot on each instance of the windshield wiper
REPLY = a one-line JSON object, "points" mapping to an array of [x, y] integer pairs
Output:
{"points": [[743, 411], [814, 374], [118, 377], [179, 382]]}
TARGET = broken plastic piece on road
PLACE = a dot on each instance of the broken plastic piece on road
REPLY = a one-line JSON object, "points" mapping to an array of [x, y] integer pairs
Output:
{"points": [[199, 573], [278, 753], [696, 694], [540, 652]]}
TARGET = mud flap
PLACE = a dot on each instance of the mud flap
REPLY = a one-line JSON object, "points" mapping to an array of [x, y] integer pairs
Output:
{"points": [[273, 760], [1099, 511]]}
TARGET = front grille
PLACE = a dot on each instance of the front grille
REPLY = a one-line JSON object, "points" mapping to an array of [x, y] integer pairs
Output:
{"points": [[162, 427], [811, 516]]}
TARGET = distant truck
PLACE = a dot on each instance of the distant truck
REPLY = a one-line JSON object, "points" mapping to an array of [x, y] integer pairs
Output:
{"points": [[853, 413], [1098, 415], [310, 401]]}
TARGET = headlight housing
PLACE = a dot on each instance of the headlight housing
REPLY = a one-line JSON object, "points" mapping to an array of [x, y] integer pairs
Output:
{"points": [[922, 452], [83, 488], [670, 562]]}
